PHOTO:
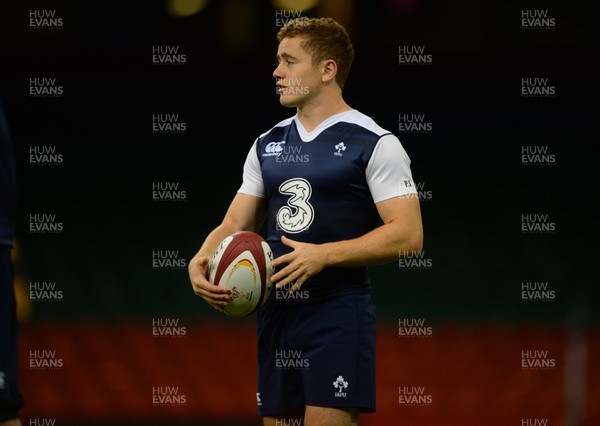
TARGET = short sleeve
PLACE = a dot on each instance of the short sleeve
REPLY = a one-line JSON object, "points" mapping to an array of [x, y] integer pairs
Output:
{"points": [[252, 182], [388, 171]]}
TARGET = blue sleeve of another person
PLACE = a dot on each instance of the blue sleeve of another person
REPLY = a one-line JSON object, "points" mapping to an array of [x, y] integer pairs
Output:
{"points": [[8, 190]]}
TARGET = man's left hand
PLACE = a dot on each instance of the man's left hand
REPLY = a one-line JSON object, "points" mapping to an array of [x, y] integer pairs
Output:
{"points": [[305, 261]]}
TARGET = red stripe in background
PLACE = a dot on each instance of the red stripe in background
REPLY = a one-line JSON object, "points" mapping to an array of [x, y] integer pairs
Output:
{"points": [[473, 375]]}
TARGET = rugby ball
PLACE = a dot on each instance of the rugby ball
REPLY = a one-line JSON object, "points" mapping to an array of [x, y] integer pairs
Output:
{"points": [[242, 264]]}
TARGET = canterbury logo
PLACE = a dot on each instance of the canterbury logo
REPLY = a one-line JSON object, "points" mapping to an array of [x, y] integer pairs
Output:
{"points": [[273, 149]]}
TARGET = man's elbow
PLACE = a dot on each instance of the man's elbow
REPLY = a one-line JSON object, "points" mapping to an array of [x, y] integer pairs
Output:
{"points": [[418, 241], [408, 242], [414, 244]]}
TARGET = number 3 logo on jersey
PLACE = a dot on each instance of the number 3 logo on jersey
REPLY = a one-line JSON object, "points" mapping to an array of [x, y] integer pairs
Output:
{"points": [[299, 213]]}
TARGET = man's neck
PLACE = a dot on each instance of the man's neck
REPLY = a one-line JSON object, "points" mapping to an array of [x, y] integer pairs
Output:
{"points": [[315, 113]]}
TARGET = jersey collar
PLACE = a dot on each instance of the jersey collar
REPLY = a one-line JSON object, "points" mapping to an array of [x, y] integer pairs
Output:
{"points": [[325, 124]]}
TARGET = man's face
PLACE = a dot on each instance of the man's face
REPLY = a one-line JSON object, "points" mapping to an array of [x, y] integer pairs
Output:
{"points": [[297, 78]]}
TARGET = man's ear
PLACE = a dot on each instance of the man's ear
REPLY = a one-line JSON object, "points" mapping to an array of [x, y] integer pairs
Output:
{"points": [[329, 70]]}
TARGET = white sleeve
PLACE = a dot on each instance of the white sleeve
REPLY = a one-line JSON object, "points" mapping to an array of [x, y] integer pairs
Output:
{"points": [[252, 181], [388, 172]]}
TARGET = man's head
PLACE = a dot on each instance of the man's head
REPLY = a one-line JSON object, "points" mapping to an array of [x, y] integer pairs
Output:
{"points": [[312, 51]]}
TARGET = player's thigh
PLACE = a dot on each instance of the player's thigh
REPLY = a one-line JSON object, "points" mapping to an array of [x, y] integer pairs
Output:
{"points": [[291, 418], [330, 416]]}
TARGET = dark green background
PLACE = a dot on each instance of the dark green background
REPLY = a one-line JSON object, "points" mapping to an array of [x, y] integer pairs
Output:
{"points": [[470, 162]]}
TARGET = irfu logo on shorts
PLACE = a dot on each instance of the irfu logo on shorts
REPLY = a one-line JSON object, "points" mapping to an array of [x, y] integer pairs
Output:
{"points": [[340, 384]]}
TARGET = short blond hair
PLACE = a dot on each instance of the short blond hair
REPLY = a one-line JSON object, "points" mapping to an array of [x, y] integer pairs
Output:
{"points": [[325, 39]]}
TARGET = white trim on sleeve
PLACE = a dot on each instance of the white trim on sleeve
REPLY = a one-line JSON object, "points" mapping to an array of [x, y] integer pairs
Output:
{"points": [[252, 181], [388, 172]]}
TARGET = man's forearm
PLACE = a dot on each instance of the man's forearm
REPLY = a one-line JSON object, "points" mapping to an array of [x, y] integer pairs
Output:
{"points": [[382, 245]]}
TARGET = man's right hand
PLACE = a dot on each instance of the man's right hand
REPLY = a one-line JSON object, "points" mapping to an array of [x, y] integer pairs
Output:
{"points": [[215, 296]]}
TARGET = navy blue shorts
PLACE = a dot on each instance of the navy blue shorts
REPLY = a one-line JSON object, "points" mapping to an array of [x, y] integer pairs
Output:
{"points": [[320, 354], [10, 398]]}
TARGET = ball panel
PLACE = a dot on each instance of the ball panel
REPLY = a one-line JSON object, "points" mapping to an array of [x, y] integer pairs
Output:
{"points": [[262, 266], [241, 278], [222, 256], [266, 272]]}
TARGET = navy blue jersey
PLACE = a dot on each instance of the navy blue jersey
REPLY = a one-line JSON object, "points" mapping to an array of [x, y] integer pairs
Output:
{"points": [[323, 186], [7, 185]]}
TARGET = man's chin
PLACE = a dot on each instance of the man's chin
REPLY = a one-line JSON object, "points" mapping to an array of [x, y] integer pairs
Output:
{"points": [[288, 101]]}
